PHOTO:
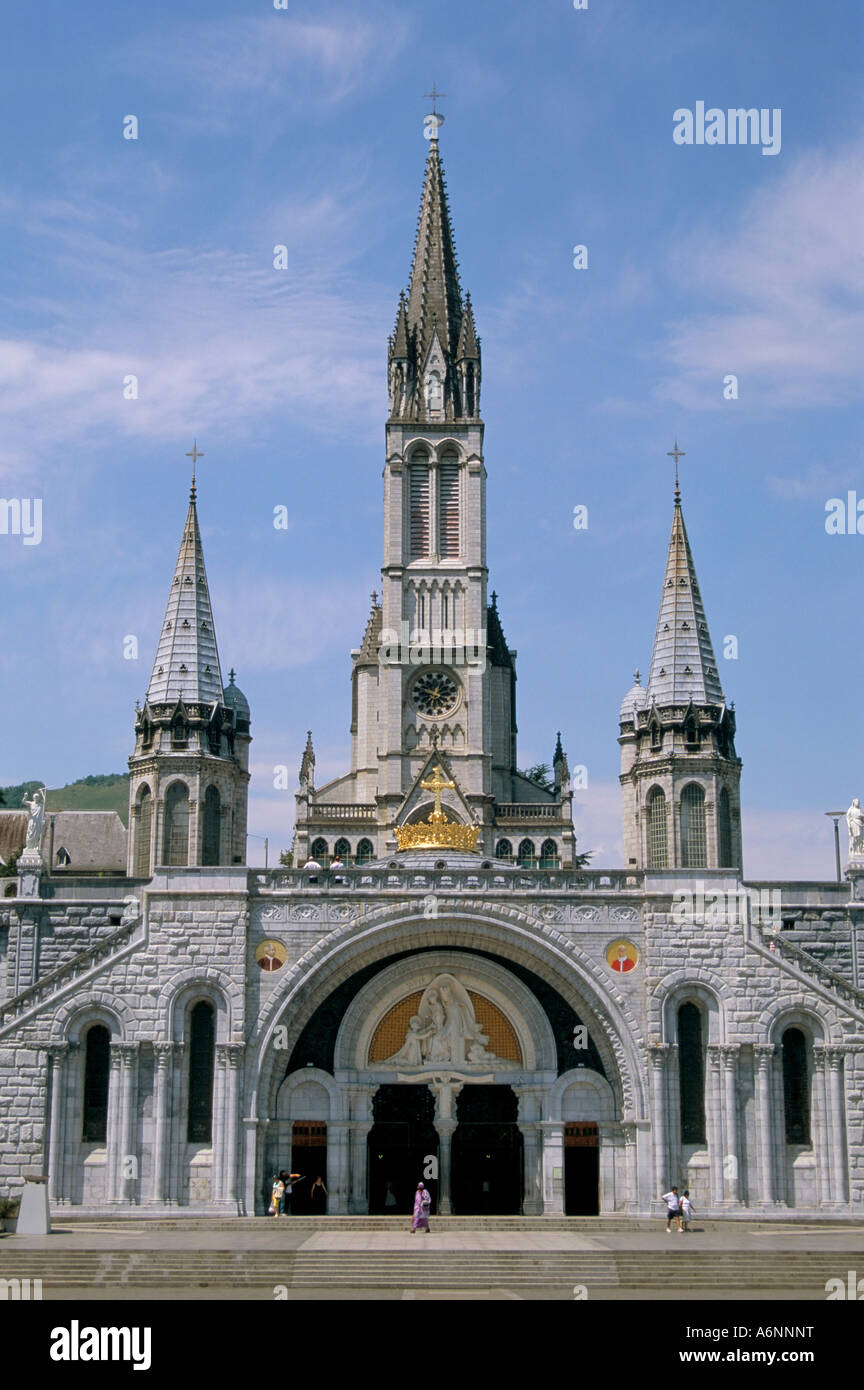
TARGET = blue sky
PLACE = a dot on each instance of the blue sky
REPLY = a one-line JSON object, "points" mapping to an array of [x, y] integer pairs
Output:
{"points": [[304, 127]]}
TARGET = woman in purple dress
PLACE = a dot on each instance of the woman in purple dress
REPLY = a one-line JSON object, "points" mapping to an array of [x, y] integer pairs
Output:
{"points": [[422, 1203]]}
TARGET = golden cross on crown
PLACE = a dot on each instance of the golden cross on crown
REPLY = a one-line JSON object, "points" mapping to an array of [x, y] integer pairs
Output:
{"points": [[436, 784]]}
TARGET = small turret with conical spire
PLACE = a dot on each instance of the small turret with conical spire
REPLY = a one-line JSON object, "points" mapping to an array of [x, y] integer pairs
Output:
{"points": [[189, 772], [680, 774]]}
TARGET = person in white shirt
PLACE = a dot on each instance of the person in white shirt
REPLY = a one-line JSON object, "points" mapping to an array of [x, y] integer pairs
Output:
{"points": [[687, 1212], [673, 1209], [311, 863]]}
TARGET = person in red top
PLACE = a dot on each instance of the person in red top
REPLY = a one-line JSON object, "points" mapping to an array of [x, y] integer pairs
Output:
{"points": [[624, 961]]}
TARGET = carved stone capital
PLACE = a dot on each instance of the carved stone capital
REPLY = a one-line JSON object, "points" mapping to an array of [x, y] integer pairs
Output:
{"points": [[229, 1054]]}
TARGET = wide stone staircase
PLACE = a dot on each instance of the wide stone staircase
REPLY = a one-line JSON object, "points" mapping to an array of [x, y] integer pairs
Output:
{"points": [[370, 1254]]}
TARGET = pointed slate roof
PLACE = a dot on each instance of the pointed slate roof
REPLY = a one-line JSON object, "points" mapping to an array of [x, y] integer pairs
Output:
{"points": [[683, 665], [372, 636], [187, 660], [434, 295], [468, 344]]}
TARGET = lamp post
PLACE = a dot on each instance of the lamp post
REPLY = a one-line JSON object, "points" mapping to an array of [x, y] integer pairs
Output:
{"points": [[837, 816], [266, 840]]}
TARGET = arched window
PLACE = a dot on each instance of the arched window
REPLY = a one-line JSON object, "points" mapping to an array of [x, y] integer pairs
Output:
{"points": [[656, 737], [179, 732], [145, 826], [691, 733], [211, 846], [694, 853], [418, 491], [97, 1071], [658, 841], [319, 850], [365, 852], [202, 1033], [549, 855], [214, 738], [342, 850], [504, 850], [527, 857], [724, 831], [176, 837], [448, 506], [691, 1074], [796, 1087]]}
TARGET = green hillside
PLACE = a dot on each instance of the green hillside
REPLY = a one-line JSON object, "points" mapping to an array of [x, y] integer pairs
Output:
{"points": [[104, 792]]}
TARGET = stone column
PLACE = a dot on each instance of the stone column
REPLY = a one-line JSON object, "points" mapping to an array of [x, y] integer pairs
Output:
{"points": [[553, 1162], [121, 1132], [819, 1121], [532, 1150], [837, 1166], [781, 1166], [714, 1118], [763, 1054], [163, 1076], [731, 1161], [179, 1074], [233, 1059], [358, 1202], [57, 1132], [445, 1130], [70, 1155], [338, 1146], [673, 1117], [217, 1130], [657, 1061], [630, 1195], [531, 1101], [250, 1164]]}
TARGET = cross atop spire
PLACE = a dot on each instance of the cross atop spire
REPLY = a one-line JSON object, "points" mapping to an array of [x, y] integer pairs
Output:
{"points": [[433, 97], [676, 454], [194, 454]]}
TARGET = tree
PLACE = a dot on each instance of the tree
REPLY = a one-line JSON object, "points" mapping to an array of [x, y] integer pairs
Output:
{"points": [[286, 859], [541, 774], [10, 868]]}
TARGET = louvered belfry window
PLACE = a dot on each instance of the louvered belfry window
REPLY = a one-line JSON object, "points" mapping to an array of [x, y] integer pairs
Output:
{"points": [[658, 854], [448, 507], [419, 495], [693, 840], [145, 821]]}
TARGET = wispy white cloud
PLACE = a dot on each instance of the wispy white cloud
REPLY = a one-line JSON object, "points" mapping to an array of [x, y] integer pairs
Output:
{"points": [[295, 63], [211, 335], [788, 281]]}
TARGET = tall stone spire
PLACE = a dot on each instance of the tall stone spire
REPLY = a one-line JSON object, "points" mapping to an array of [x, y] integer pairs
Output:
{"points": [[187, 660], [434, 294], [434, 353], [683, 665]]}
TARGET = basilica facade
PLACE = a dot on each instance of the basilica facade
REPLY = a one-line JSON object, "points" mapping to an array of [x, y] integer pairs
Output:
{"points": [[439, 987]]}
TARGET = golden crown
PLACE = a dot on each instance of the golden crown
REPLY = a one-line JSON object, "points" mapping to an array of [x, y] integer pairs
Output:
{"points": [[431, 834]]}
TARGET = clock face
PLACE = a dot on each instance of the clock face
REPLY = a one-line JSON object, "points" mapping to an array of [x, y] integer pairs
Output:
{"points": [[434, 694]]}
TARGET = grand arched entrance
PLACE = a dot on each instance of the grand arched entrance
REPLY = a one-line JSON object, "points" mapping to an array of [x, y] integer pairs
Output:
{"points": [[455, 1057]]}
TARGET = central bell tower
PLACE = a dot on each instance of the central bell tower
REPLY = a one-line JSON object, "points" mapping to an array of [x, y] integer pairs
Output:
{"points": [[434, 681]]}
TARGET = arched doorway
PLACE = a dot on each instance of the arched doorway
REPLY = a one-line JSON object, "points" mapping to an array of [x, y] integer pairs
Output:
{"points": [[401, 1142], [486, 1170], [309, 1158], [581, 1169]]}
